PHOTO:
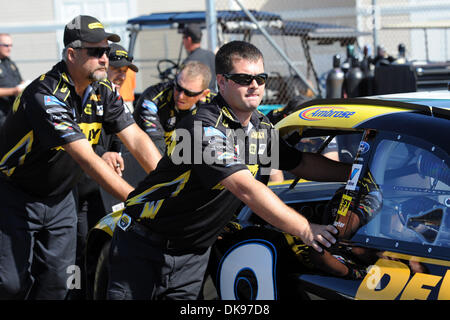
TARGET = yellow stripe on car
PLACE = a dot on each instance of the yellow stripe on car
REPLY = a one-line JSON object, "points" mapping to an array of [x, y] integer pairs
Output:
{"points": [[335, 115]]}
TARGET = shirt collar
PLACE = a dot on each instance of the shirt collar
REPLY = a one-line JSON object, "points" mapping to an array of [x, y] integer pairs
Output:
{"points": [[61, 67], [227, 111]]}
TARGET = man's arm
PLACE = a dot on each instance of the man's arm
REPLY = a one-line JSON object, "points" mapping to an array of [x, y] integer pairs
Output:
{"points": [[140, 146], [82, 152], [6, 92], [316, 167], [146, 116], [268, 206]]}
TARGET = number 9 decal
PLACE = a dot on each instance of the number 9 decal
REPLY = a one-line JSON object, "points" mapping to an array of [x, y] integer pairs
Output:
{"points": [[248, 271]]}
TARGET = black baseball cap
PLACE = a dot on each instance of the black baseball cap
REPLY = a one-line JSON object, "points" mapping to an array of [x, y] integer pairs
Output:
{"points": [[86, 29], [118, 57], [194, 31]]}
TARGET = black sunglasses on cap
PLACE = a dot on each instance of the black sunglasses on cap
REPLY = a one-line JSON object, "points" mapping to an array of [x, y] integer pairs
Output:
{"points": [[186, 91], [118, 58], [245, 79], [96, 52]]}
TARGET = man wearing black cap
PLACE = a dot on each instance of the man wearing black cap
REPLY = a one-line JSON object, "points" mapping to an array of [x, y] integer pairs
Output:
{"points": [[119, 62], [45, 144], [192, 36]]}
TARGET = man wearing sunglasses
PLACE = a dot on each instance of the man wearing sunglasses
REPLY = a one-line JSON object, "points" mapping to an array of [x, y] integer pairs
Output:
{"points": [[161, 244], [119, 63], [161, 107], [11, 83], [92, 206], [45, 144]]}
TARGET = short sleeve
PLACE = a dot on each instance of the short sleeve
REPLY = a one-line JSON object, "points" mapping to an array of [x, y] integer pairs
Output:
{"points": [[52, 120], [116, 115], [212, 156]]}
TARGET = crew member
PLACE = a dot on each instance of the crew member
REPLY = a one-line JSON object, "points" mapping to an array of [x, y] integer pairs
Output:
{"points": [[91, 206], [45, 144], [119, 64], [161, 244], [192, 37], [11, 83], [160, 107], [127, 89]]}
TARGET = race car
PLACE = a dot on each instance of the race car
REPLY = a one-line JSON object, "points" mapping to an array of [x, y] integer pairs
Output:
{"points": [[393, 213]]}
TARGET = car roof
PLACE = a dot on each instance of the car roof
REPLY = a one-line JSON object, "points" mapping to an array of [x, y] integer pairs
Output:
{"points": [[421, 114], [439, 99], [354, 112]]}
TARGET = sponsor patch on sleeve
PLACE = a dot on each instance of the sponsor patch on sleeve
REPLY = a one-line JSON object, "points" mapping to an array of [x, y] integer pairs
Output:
{"points": [[344, 205], [52, 101], [211, 131], [150, 105]]}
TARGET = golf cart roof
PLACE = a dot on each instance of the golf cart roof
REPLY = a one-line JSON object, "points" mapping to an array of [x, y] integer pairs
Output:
{"points": [[167, 19], [237, 22]]}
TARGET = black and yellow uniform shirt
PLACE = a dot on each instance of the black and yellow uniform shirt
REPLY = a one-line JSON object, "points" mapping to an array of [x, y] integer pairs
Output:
{"points": [[182, 199], [48, 115], [9, 78], [155, 112]]}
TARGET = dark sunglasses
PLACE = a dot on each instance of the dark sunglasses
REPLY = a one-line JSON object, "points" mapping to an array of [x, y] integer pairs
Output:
{"points": [[245, 79], [186, 91], [96, 52], [118, 58]]}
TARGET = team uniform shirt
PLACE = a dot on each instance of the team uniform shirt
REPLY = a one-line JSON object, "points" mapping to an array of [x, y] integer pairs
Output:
{"points": [[182, 199], [9, 78], [48, 115], [157, 115]]}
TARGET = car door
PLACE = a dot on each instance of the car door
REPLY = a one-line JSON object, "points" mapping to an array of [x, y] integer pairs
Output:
{"points": [[405, 244]]}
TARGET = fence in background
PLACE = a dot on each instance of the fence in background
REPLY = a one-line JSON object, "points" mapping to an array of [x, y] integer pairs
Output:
{"points": [[311, 34], [306, 35]]}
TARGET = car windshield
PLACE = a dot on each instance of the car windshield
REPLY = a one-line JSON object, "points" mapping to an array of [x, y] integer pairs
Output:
{"points": [[414, 179], [340, 147]]}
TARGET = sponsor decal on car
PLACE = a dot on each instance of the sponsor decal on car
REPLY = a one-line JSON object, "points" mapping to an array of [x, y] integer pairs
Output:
{"points": [[321, 113], [391, 279], [354, 177], [363, 147], [341, 115]]}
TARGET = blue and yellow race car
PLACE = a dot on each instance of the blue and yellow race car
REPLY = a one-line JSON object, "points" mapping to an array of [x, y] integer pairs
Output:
{"points": [[393, 213]]}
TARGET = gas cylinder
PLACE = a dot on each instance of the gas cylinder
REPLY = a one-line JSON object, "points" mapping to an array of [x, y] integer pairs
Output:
{"points": [[368, 70], [353, 79], [346, 65], [335, 79]]}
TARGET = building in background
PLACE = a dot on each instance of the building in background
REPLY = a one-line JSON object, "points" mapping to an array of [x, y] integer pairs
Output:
{"points": [[37, 26]]}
